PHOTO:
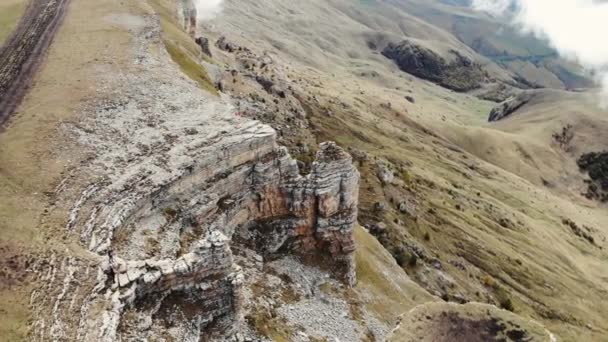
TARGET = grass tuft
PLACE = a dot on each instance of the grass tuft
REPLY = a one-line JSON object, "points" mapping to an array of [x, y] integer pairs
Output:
{"points": [[190, 67]]}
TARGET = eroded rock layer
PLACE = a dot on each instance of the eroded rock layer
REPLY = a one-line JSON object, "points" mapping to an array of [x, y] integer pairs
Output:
{"points": [[249, 191], [175, 182]]}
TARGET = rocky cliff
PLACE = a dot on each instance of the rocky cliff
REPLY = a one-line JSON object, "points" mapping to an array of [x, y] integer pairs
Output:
{"points": [[176, 182], [247, 193]]}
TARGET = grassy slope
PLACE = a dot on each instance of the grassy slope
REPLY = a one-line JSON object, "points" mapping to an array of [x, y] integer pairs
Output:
{"points": [[10, 12], [34, 155], [463, 177], [381, 279], [541, 279]]}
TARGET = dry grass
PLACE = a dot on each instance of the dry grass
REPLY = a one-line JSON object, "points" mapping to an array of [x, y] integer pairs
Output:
{"points": [[467, 198], [272, 327], [10, 13], [190, 67], [379, 276], [34, 154]]}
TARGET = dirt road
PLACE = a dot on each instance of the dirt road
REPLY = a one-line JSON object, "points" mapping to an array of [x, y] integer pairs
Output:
{"points": [[24, 51]]}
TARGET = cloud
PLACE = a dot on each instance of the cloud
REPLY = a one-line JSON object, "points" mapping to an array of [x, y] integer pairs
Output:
{"points": [[575, 28], [208, 9]]}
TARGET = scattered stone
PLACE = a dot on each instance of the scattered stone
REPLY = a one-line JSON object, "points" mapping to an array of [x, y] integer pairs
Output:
{"points": [[407, 208], [378, 227], [379, 206], [203, 43], [385, 175], [224, 45]]}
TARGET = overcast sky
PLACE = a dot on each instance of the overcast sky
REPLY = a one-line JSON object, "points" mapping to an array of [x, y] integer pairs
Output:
{"points": [[207, 9]]}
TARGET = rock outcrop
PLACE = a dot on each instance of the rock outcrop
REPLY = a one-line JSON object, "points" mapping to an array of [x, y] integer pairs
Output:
{"points": [[208, 270], [176, 183], [203, 43], [510, 106], [596, 164], [459, 74], [313, 216], [188, 14], [245, 191]]}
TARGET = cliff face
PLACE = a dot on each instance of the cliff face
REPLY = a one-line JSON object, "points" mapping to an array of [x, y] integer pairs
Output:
{"points": [[248, 193], [175, 182]]}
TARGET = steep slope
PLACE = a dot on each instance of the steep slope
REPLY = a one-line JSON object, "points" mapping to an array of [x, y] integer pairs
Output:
{"points": [[468, 223]]}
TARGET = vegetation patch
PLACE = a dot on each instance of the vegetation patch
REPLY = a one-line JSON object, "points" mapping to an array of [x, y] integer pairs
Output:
{"points": [[501, 294], [584, 232], [10, 12], [190, 67], [269, 325], [564, 138], [596, 165]]}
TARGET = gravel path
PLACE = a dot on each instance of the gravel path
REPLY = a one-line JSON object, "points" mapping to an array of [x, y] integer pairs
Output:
{"points": [[23, 52]]}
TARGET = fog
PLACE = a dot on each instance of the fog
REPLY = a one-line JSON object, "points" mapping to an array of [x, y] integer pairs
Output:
{"points": [[575, 28]]}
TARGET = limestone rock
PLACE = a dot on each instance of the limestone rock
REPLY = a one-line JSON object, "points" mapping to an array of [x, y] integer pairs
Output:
{"points": [[510, 106], [224, 45], [385, 174], [178, 180], [252, 193]]}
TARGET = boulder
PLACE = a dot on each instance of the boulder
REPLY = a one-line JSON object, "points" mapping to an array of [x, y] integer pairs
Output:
{"points": [[203, 43], [510, 106]]}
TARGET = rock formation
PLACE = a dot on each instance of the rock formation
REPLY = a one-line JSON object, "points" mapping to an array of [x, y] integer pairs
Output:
{"points": [[204, 45], [459, 74], [189, 16], [177, 182], [247, 192], [510, 106], [596, 164]]}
